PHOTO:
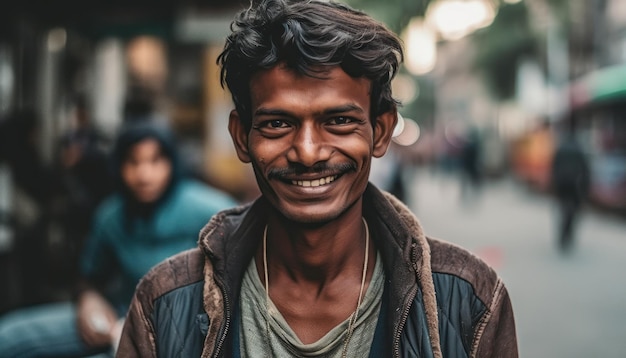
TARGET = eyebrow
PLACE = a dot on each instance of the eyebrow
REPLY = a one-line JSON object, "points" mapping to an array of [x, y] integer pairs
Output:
{"points": [[270, 112], [343, 109], [328, 111]]}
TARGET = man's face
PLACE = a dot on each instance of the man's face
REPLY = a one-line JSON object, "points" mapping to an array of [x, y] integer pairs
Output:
{"points": [[146, 171], [311, 141]]}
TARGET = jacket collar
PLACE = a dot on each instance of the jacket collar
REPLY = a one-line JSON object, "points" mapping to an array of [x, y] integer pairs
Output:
{"points": [[231, 238]]}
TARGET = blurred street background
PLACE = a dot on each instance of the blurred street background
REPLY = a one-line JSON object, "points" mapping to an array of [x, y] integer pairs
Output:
{"points": [[566, 305], [491, 90]]}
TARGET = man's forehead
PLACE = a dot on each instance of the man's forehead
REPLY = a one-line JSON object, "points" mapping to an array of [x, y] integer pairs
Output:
{"points": [[318, 71], [321, 72], [284, 81]]}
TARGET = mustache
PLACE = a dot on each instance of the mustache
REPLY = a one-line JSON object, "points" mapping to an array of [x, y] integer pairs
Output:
{"points": [[318, 168]]}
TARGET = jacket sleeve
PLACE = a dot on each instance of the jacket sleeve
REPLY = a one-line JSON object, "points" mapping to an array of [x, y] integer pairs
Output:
{"points": [[495, 335], [139, 335], [138, 338]]}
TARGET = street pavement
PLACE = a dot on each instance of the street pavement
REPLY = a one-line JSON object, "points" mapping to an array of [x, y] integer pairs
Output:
{"points": [[566, 305]]}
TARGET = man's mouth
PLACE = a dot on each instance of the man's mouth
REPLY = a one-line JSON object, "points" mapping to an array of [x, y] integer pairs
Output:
{"points": [[316, 182]]}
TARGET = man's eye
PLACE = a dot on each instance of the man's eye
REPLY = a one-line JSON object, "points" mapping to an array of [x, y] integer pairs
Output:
{"points": [[341, 120], [277, 123], [274, 123]]}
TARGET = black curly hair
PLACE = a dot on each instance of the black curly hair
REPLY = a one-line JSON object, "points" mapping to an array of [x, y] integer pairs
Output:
{"points": [[308, 37]]}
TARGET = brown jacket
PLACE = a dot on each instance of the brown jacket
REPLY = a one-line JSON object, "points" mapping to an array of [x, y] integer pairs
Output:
{"points": [[442, 301]]}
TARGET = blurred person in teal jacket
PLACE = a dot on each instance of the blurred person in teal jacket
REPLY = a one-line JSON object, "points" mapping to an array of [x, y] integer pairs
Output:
{"points": [[155, 213]]}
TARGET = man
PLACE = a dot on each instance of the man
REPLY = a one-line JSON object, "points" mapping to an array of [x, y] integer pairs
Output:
{"points": [[155, 214], [323, 263], [570, 181]]}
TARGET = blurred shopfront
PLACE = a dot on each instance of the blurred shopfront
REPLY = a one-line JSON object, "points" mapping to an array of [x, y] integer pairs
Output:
{"points": [[51, 52], [115, 55]]}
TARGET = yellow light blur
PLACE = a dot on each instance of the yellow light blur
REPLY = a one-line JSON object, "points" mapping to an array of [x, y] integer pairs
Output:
{"points": [[421, 47], [404, 88], [455, 19]]}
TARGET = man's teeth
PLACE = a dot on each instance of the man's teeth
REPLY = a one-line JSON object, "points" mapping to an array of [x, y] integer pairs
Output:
{"points": [[316, 182]]}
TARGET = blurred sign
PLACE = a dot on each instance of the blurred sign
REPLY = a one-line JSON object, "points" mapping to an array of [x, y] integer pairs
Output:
{"points": [[604, 85]]}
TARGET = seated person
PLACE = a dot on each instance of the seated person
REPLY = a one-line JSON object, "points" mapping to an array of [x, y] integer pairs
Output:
{"points": [[154, 214]]}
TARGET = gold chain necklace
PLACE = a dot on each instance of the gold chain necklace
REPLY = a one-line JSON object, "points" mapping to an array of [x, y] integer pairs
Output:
{"points": [[353, 316]]}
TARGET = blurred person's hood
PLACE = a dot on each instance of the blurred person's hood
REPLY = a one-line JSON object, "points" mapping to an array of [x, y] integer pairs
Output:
{"points": [[129, 135]]}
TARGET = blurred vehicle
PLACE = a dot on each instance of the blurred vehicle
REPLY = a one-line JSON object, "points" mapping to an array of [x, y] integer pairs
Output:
{"points": [[598, 104]]}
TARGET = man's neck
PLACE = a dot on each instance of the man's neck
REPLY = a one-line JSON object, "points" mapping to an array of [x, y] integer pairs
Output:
{"points": [[316, 253], [315, 275]]}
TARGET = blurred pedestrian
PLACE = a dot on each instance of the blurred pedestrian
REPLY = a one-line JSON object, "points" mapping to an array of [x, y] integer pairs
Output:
{"points": [[323, 264], [83, 159], [471, 169], [155, 213], [570, 183], [84, 177]]}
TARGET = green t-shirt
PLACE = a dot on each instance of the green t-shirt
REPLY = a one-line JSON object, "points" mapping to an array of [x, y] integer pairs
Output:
{"points": [[283, 342]]}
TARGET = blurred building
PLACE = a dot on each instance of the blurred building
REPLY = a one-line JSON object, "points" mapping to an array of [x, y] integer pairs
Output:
{"points": [[518, 72], [123, 56], [111, 50], [597, 94], [576, 81]]}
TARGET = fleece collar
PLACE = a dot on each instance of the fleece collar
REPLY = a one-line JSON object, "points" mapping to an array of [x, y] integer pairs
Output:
{"points": [[231, 238], [406, 243]]}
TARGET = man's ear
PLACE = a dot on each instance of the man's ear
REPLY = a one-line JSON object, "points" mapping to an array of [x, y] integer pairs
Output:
{"points": [[385, 124], [239, 135]]}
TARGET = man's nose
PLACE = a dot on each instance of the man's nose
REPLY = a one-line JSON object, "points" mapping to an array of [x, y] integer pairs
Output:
{"points": [[309, 146]]}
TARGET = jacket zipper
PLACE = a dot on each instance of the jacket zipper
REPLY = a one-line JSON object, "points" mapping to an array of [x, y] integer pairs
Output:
{"points": [[220, 343], [412, 294], [403, 318]]}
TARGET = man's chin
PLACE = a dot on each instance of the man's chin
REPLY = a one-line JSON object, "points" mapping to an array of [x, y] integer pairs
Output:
{"points": [[309, 217]]}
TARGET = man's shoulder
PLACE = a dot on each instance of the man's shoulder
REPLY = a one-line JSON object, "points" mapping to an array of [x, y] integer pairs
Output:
{"points": [[451, 259], [180, 270]]}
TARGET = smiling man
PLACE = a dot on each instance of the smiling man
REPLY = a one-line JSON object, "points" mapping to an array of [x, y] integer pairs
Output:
{"points": [[323, 264]]}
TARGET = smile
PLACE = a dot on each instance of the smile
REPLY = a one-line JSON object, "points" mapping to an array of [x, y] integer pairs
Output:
{"points": [[316, 182]]}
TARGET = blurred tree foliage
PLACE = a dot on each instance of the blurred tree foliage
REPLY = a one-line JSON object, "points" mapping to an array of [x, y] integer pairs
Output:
{"points": [[502, 45]]}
